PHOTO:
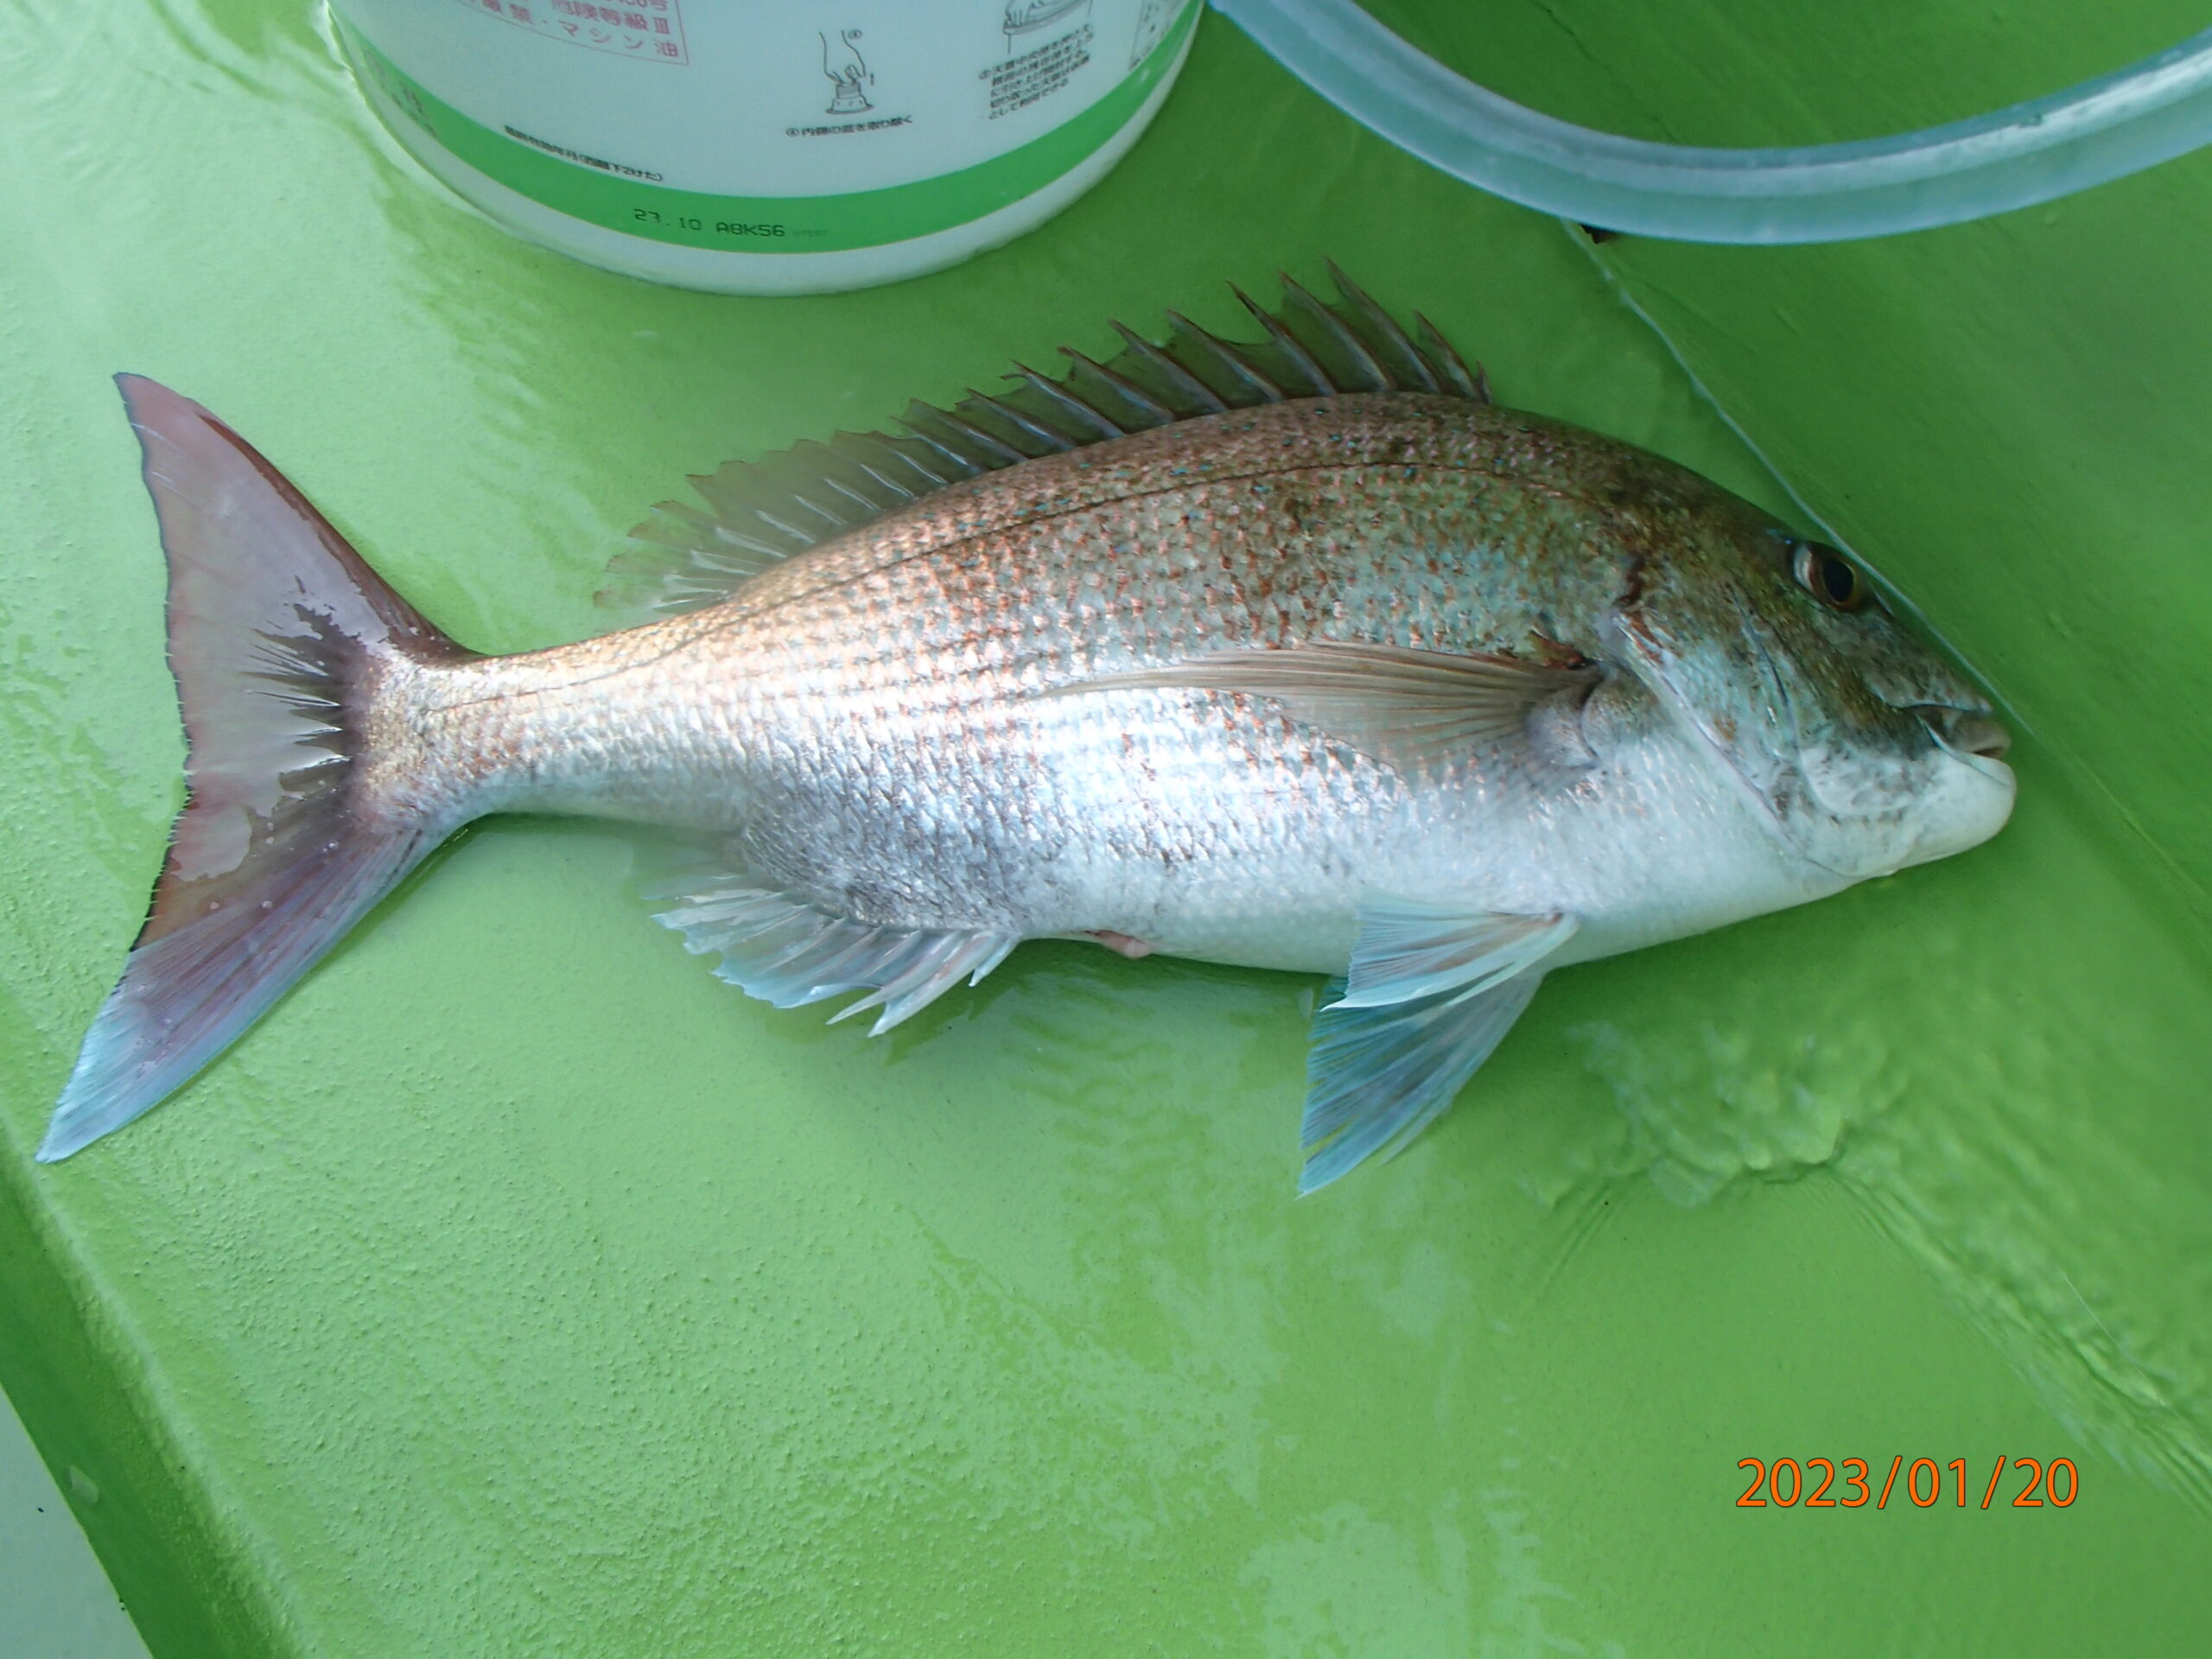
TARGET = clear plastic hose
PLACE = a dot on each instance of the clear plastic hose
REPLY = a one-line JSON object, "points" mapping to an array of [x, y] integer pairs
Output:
{"points": [[2029, 152]]}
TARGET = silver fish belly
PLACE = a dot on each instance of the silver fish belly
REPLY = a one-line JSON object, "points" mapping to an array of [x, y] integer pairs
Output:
{"points": [[1378, 680]]}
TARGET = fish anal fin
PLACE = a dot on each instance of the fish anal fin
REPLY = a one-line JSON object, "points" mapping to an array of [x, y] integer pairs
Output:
{"points": [[1431, 994], [759, 513], [1410, 709], [789, 953]]}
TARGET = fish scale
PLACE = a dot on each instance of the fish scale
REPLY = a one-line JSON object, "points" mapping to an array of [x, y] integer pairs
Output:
{"points": [[1297, 655], [877, 640]]}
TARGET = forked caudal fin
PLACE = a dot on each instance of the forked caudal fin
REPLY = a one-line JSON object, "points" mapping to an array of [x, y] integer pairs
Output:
{"points": [[278, 632]]}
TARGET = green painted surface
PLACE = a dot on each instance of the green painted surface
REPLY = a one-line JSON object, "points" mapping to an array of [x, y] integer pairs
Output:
{"points": [[55, 1602], [517, 1289]]}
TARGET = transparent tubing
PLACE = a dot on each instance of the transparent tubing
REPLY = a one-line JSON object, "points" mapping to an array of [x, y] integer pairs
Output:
{"points": [[2030, 152]]}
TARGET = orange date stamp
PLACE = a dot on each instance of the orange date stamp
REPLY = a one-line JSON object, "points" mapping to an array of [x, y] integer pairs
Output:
{"points": [[1823, 1484]]}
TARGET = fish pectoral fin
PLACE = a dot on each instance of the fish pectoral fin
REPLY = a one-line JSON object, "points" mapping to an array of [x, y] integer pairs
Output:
{"points": [[789, 953], [1407, 707], [1431, 994]]}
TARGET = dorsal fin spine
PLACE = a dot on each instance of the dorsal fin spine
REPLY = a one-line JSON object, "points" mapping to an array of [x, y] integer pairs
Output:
{"points": [[1344, 339], [869, 505], [1316, 382], [1157, 413], [1036, 426], [748, 544], [776, 524], [962, 467], [891, 487], [1176, 375], [1239, 368], [1441, 351], [935, 480], [1414, 373], [1102, 424], [769, 510], [885, 459], [835, 521], [1005, 455]]}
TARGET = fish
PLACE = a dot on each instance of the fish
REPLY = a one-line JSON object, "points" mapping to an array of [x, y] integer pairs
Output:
{"points": [[1298, 653]]}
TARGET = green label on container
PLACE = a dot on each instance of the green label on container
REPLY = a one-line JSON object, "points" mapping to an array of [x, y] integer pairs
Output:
{"points": [[616, 198]]}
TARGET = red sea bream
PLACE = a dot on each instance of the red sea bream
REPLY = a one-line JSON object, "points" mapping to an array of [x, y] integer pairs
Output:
{"points": [[1302, 655]]}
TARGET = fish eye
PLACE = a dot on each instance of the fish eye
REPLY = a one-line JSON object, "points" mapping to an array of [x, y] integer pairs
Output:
{"points": [[1829, 577]]}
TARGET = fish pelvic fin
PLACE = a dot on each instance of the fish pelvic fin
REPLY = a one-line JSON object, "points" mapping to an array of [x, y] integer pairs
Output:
{"points": [[1431, 994], [758, 514], [279, 633]]}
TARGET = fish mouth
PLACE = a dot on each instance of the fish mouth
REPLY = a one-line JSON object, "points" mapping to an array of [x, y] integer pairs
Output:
{"points": [[1844, 793], [1968, 734]]}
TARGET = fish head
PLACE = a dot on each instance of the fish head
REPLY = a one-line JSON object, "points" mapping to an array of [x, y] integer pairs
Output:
{"points": [[1861, 747]]}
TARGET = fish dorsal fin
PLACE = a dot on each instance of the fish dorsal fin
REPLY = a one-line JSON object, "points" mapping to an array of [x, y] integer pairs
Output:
{"points": [[759, 513]]}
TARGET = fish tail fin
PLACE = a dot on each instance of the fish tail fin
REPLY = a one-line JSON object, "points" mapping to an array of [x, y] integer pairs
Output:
{"points": [[279, 634]]}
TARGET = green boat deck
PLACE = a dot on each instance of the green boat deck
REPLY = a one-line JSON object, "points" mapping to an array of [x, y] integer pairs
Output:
{"points": [[516, 1288]]}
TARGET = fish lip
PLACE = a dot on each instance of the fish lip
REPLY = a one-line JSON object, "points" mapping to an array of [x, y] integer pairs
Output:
{"points": [[1968, 734]]}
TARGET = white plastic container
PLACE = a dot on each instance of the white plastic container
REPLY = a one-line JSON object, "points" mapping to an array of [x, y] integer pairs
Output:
{"points": [[768, 146]]}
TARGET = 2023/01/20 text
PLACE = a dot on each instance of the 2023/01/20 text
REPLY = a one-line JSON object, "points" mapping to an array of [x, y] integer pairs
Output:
{"points": [[1785, 1483]]}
